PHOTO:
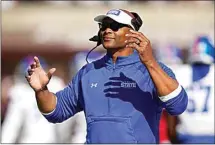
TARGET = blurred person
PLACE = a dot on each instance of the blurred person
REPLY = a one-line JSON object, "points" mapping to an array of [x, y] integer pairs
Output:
{"points": [[122, 94], [173, 57], [6, 84], [170, 54], [163, 128], [196, 124], [23, 122]]}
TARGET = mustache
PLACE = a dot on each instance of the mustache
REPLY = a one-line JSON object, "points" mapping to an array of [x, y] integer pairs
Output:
{"points": [[108, 36]]}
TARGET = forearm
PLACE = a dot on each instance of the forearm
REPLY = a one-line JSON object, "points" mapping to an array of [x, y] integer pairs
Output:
{"points": [[46, 100], [163, 83]]}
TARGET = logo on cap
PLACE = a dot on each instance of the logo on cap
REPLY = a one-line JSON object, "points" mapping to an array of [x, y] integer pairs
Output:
{"points": [[114, 12]]}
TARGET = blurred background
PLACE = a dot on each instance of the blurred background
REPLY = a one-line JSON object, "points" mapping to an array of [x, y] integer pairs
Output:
{"points": [[59, 31]]}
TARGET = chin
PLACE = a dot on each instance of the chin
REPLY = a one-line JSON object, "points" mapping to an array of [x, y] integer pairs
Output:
{"points": [[107, 45]]}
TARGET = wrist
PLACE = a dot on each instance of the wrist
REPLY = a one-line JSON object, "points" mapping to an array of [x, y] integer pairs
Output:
{"points": [[150, 63], [41, 89]]}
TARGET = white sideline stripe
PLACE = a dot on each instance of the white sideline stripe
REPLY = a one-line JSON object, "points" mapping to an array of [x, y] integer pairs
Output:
{"points": [[173, 94], [51, 111]]}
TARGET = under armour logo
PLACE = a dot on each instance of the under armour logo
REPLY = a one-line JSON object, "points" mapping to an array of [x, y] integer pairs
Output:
{"points": [[94, 85]]}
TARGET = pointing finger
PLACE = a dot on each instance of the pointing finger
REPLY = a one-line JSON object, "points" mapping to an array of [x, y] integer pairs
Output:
{"points": [[37, 61]]}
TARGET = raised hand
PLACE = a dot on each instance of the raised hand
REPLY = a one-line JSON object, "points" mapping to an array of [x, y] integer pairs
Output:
{"points": [[37, 77], [139, 42]]}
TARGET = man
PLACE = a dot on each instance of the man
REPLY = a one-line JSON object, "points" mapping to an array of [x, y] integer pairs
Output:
{"points": [[23, 121], [122, 94], [196, 124]]}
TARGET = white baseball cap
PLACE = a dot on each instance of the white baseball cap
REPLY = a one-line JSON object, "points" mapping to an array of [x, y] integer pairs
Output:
{"points": [[117, 15]]}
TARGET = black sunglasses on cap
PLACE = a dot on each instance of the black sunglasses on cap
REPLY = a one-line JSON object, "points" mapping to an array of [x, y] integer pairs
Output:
{"points": [[113, 26]]}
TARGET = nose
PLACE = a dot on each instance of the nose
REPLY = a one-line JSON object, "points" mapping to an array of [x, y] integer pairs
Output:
{"points": [[108, 30]]}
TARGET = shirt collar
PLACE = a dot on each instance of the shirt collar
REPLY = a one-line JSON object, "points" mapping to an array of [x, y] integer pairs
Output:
{"points": [[121, 60]]}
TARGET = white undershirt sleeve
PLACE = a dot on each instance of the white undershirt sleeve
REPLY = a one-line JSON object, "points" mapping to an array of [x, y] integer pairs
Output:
{"points": [[173, 94]]}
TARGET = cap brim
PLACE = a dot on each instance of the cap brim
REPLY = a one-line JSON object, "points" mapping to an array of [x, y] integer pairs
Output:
{"points": [[100, 18]]}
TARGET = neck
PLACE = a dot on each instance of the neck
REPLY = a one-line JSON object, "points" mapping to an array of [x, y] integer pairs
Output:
{"points": [[120, 52]]}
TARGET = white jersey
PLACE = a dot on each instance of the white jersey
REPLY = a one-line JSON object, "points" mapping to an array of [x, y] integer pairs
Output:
{"points": [[24, 123], [198, 119], [73, 130]]}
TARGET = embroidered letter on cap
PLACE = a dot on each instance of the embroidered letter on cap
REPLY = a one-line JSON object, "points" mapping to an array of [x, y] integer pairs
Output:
{"points": [[114, 12]]}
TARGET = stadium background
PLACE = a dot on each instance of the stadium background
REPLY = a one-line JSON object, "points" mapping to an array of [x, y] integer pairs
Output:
{"points": [[59, 30]]}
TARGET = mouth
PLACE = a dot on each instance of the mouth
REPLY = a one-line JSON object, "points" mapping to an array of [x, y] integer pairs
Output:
{"points": [[107, 38]]}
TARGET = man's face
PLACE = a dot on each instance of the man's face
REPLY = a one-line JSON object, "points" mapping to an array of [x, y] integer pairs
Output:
{"points": [[113, 34]]}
